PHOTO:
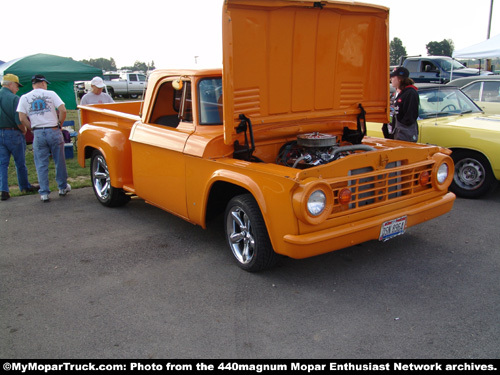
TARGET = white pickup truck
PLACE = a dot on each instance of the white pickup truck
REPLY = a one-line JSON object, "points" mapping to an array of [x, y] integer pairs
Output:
{"points": [[126, 84]]}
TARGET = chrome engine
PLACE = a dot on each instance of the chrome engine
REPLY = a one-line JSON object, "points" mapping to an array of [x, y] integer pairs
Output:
{"points": [[312, 149]]}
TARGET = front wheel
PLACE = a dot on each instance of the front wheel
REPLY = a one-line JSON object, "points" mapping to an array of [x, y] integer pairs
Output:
{"points": [[101, 182], [247, 236], [473, 175]]}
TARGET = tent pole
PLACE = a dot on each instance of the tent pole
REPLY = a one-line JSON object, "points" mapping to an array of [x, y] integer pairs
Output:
{"points": [[488, 61]]}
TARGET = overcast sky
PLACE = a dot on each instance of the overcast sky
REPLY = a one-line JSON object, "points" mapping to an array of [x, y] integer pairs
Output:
{"points": [[172, 32]]}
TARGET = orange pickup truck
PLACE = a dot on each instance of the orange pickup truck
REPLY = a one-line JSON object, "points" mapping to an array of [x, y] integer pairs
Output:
{"points": [[275, 141]]}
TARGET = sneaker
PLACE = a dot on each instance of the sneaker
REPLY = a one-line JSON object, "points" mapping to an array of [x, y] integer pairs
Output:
{"points": [[65, 191], [5, 195], [44, 198]]}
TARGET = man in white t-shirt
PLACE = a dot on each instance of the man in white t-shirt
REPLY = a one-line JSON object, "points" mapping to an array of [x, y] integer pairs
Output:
{"points": [[96, 96], [42, 111]]}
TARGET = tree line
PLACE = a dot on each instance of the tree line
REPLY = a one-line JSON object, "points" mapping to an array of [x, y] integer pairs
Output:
{"points": [[442, 48], [110, 65]]}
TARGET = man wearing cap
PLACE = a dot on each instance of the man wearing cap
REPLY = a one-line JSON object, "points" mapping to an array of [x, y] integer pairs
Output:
{"points": [[96, 96], [12, 141], [406, 103], [43, 112]]}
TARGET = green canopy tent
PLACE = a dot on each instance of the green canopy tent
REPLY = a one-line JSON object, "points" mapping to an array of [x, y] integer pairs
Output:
{"points": [[62, 72]]}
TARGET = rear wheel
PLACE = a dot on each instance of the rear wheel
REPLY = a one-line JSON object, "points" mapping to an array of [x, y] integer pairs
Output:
{"points": [[101, 182], [473, 175], [247, 236]]}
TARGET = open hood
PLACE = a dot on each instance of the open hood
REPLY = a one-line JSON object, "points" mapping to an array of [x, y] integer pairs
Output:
{"points": [[295, 60]]}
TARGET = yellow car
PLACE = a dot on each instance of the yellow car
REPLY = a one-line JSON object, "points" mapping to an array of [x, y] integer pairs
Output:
{"points": [[449, 118], [484, 90]]}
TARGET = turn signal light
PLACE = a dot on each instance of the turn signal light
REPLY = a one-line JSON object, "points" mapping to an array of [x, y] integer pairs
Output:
{"points": [[345, 196], [424, 178]]}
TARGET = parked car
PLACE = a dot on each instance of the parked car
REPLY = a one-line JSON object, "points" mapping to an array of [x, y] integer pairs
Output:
{"points": [[438, 69], [449, 118], [484, 90]]}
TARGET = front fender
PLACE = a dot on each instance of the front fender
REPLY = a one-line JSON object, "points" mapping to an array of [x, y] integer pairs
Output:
{"points": [[272, 194]]}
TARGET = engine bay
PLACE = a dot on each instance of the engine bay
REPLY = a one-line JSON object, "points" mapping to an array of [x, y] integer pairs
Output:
{"points": [[313, 149]]}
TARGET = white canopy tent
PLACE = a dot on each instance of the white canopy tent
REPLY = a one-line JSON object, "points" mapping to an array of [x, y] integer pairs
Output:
{"points": [[488, 49]]}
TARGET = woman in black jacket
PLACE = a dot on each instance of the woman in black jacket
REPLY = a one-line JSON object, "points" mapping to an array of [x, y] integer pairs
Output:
{"points": [[406, 103]]}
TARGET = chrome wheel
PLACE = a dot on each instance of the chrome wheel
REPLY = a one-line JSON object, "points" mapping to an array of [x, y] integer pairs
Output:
{"points": [[101, 182], [246, 234], [241, 240], [100, 178]]}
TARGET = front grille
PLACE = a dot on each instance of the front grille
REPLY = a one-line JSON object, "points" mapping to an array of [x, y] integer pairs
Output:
{"points": [[376, 187]]}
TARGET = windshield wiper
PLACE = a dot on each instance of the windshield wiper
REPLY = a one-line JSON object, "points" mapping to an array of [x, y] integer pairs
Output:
{"points": [[435, 114]]}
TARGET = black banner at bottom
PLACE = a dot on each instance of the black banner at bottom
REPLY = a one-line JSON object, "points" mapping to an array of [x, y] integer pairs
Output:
{"points": [[250, 366]]}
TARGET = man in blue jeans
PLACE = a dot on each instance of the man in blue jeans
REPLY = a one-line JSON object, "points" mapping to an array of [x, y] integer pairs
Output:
{"points": [[43, 112], [12, 141]]}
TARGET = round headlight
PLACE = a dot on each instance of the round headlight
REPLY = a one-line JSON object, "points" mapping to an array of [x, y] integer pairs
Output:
{"points": [[442, 173], [316, 203]]}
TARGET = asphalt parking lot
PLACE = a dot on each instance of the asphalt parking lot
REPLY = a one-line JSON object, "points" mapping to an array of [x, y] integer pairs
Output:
{"points": [[79, 280]]}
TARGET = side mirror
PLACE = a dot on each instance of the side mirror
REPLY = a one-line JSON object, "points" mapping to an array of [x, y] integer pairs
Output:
{"points": [[177, 84]]}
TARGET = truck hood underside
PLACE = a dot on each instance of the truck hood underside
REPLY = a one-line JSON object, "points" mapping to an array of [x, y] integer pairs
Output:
{"points": [[298, 60]]}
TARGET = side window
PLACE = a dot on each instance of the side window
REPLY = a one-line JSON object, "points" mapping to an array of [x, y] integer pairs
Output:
{"points": [[210, 101], [412, 65], [472, 90], [141, 77], [491, 91], [428, 66], [172, 106], [132, 77]]}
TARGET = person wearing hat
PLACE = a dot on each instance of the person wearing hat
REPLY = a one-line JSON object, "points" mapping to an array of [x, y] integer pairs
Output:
{"points": [[12, 141], [43, 112], [406, 103], [96, 95]]}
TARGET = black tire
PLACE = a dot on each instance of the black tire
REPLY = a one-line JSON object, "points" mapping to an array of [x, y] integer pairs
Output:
{"points": [[247, 236], [111, 92], [473, 175], [105, 193], [134, 96]]}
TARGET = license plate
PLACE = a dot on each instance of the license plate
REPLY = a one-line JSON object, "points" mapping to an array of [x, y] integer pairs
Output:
{"points": [[392, 228]]}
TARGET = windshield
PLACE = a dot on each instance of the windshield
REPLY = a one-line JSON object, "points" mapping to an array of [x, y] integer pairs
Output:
{"points": [[445, 102], [446, 65], [210, 101]]}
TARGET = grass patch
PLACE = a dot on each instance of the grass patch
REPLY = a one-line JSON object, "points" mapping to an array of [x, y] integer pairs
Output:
{"points": [[78, 177]]}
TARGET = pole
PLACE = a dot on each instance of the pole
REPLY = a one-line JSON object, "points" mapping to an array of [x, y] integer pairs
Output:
{"points": [[489, 21], [488, 61]]}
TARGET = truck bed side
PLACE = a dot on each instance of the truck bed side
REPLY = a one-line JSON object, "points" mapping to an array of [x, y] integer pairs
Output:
{"points": [[112, 123]]}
